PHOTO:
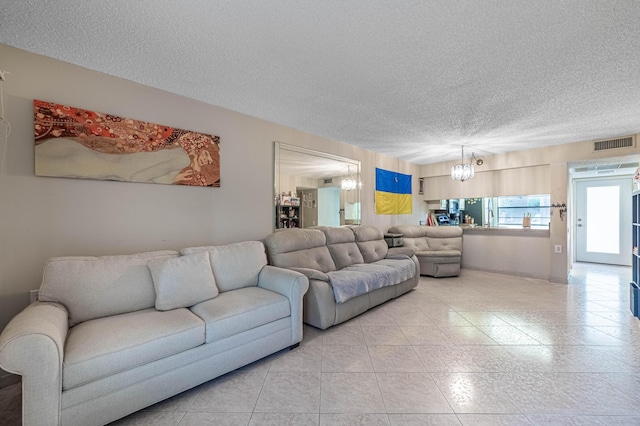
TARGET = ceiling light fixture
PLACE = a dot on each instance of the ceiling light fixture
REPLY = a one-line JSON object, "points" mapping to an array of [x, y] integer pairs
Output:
{"points": [[349, 183], [462, 171]]}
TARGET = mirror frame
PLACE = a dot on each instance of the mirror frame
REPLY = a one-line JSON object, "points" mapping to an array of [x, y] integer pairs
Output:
{"points": [[355, 166]]}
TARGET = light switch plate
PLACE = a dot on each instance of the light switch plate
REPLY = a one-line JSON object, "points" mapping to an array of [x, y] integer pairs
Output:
{"points": [[558, 248]]}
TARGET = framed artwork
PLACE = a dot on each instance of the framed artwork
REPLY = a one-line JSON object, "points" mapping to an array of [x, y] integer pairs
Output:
{"points": [[77, 143]]}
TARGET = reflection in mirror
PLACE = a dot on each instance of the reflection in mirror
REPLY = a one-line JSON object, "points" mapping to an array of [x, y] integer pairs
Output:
{"points": [[313, 188]]}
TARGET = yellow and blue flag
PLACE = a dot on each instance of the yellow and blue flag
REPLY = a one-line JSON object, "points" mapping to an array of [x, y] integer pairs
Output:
{"points": [[393, 192]]}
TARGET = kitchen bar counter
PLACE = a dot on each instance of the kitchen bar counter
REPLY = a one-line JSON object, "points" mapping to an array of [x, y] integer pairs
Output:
{"points": [[521, 232]]}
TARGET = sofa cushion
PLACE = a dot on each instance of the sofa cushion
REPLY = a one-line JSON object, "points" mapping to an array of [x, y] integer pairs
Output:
{"points": [[240, 310], [105, 346], [299, 248], [183, 281], [342, 246], [370, 241], [95, 287], [234, 265]]}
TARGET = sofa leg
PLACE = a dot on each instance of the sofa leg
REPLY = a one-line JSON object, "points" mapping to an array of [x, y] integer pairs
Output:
{"points": [[292, 347]]}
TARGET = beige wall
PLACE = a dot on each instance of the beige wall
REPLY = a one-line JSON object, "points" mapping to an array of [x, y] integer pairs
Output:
{"points": [[45, 217]]}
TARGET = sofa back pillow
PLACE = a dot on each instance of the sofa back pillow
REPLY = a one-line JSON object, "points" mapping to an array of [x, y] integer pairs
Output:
{"points": [[181, 282], [235, 265], [342, 246], [444, 238], [299, 248], [96, 287], [370, 241], [412, 236]]}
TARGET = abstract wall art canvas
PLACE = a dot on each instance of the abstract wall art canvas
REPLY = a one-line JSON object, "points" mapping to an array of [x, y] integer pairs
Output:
{"points": [[76, 143]]}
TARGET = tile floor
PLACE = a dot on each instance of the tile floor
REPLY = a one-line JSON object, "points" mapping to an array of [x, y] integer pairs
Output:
{"points": [[480, 349]]}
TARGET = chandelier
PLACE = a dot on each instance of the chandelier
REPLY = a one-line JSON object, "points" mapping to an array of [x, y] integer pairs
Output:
{"points": [[462, 171], [349, 184]]}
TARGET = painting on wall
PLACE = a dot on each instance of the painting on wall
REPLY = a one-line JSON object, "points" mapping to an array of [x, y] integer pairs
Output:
{"points": [[76, 143]]}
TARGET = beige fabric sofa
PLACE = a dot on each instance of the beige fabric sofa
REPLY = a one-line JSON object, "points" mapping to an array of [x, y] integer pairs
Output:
{"points": [[358, 254], [438, 248], [112, 335]]}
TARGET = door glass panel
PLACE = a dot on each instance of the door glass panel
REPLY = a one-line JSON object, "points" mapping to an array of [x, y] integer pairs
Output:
{"points": [[603, 217]]}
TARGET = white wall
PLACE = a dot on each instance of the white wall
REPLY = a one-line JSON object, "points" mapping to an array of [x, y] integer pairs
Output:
{"points": [[45, 217]]}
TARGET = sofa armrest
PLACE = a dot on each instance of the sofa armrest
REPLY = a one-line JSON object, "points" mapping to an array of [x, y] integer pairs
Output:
{"points": [[401, 251], [291, 284], [312, 274], [32, 345]]}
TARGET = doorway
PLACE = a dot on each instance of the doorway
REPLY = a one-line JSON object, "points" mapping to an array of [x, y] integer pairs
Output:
{"points": [[603, 220], [329, 206]]}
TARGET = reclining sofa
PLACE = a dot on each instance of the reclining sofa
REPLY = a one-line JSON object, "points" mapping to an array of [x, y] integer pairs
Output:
{"points": [[112, 335], [350, 269], [438, 248]]}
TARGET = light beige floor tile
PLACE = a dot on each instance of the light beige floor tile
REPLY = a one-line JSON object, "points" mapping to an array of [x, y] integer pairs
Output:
{"points": [[290, 392], [483, 318], [507, 335], [568, 394], [215, 419], [425, 335], [411, 393], [395, 358], [467, 335], [343, 335], [346, 359], [233, 393], [494, 420], [424, 420], [311, 336], [302, 358], [449, 318], [479, 393], [453, 359], [384, 335], [350, 393], [550, 420], [620, 420], [284, 419], [365, 419]]}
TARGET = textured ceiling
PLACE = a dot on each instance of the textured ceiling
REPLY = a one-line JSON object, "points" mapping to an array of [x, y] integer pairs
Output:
{"points": [[413, 79]]}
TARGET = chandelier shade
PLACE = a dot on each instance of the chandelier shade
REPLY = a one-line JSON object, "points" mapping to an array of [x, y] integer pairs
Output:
{"points": [[462, 171], [349, 184]]}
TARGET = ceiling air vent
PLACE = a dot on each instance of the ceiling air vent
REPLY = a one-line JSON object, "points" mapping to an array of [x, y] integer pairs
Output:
{"points": [[327, 181], [628, 142]]}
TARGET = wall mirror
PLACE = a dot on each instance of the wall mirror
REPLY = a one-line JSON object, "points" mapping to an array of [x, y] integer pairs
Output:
{"points": [[313, 188]]}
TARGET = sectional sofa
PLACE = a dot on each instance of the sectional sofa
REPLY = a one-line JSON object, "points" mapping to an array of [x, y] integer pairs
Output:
{"points": [[350, 269], [438, 248], [112, 335]]}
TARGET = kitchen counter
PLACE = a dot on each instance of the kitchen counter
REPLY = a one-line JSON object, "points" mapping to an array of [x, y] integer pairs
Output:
{"points": [[522, 232]]}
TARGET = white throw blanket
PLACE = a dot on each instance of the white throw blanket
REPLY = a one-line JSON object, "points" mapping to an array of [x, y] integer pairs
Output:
{"points": [[362, 278]]}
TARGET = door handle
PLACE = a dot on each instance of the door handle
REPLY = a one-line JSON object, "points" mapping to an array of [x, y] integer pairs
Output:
{"points": [[579, 225]]}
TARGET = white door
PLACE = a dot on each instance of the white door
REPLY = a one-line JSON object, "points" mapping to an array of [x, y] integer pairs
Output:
{"points": [[603, 220], [329, 206]]}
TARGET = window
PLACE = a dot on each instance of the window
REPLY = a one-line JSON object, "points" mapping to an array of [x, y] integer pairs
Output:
{"points": [[511, 210]]}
